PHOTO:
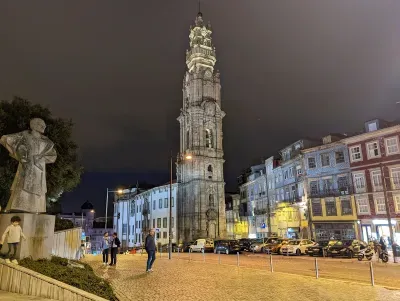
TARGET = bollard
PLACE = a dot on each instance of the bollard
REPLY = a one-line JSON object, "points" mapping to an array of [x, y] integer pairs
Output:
{"points": [[270, 263], [178, 253], [371, 271], [219, 257], [190, 254], [204, 256], [316, 268], [237, 258]]}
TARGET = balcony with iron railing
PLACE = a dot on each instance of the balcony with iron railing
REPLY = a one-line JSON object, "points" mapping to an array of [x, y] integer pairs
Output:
{"points": [[321, 193]]}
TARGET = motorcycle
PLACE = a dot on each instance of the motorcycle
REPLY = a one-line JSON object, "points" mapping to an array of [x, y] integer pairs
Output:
{"points": [[383, 255], [368, 253]]}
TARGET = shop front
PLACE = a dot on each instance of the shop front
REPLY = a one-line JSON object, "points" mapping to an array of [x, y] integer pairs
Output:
{"points": [[376, 228], [334, 231]]}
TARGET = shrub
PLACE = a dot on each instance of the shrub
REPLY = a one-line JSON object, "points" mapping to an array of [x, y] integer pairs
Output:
{"points": [[63, 224], [84, 279]]}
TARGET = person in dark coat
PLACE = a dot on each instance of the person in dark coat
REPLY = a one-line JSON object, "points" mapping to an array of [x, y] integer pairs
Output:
{"points": [[150, 246], [115, 245]]}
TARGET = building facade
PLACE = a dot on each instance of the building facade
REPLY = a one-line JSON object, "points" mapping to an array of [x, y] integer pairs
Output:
{"points": [[375, 169], [201, 198], [290, 211], [235, 228], [136, 211], [332, 212]]}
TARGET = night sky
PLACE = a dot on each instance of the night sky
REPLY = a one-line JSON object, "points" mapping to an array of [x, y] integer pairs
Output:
{"points": [[289, 69]]}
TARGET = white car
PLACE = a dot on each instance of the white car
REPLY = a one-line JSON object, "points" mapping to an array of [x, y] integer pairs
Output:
{"points": [[202, 245], [297, 246]]}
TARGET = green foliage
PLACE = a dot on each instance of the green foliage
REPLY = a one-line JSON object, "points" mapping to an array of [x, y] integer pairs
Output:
{"points": [[63, 224], [84, 279], [65, 173]]}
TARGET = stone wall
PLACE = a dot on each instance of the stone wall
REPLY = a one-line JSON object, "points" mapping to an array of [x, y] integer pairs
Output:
{"points": [[67, 243], [16, 279]]}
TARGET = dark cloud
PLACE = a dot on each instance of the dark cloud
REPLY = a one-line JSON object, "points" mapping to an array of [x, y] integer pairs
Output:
{"points": [[288, 69]]}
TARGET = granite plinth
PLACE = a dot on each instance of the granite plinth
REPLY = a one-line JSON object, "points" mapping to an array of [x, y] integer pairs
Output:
{"points": [[39, 231]]}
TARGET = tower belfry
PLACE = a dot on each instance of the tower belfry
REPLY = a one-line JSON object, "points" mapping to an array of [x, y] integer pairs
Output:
{"points": [[201, 196]]}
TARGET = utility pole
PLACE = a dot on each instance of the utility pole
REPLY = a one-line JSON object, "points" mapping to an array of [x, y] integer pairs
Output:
{"points": [[388, 212]]}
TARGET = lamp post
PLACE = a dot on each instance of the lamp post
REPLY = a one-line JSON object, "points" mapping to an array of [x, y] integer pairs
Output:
{"points": [[389, 218], [119, 191], [187, 157]]}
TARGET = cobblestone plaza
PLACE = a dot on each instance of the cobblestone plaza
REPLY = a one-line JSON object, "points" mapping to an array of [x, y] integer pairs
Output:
{"points": [[198, 280]]}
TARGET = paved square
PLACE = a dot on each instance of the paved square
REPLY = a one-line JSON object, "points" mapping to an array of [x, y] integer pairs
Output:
{"points": [[195, 280]]}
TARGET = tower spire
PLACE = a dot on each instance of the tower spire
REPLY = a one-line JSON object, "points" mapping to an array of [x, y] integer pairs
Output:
{"points": [[199, 8]]}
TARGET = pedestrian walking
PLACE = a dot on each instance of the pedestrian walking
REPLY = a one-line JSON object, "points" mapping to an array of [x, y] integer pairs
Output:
{"points": [[105, 246], [150, 246], [13, 234], [115, 245]]}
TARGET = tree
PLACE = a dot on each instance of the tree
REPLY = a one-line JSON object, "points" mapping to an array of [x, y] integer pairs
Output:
{"points": [[64, 174]]}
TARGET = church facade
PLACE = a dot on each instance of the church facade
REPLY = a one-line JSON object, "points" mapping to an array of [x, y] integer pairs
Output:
{"points": [[201, 197]]}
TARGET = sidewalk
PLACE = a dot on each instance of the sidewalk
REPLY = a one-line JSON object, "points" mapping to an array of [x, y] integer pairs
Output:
{"points": [[6, 296]]}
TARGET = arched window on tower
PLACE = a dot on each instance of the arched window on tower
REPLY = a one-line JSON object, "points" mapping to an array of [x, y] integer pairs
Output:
{"points": [[209, 137], [210, 171], [211, 200], [187, 139]]}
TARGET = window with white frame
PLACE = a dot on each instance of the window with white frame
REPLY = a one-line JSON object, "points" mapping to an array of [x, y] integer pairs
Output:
{"points": [[359, 182], [392, 145], [311, 162], [380, 207], [395, 177], [291, 172], [396, 199], [373, 150], [166, 203], [362, 205], [324, 160], [355, 153], [376, 180]]}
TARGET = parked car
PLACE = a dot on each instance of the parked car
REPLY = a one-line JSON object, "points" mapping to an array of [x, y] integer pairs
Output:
{"points": [[227, 246], [297, 246], [245, 243], [320, 248], [275, 245], [346, 248], [202, 245], [259, 244]]}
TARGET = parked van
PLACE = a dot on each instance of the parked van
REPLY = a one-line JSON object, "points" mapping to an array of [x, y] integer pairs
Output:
{"points": [[202, 244]]}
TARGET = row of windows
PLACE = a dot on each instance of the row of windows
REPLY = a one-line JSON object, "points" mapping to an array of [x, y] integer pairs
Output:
{"points": [[373, 149], [331, 208], [327, 185], [376, 180], [325, 159], [363, 205], [160, 203]]}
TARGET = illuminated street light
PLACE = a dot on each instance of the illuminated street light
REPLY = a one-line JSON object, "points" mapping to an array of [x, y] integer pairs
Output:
{"points": [[188, 157]]}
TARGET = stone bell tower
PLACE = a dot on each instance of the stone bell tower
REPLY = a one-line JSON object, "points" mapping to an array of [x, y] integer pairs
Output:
{"points": [[201, 197]]}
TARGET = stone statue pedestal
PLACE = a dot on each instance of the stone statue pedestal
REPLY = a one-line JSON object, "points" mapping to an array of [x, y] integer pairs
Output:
{"points": [[39, 232]]}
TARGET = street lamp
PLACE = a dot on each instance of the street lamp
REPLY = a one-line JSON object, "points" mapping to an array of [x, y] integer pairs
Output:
{"points": [[119, 191], [187, 157]]}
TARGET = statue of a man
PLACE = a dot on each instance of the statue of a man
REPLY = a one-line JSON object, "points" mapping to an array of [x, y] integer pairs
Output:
{"points": [[33, 151]]}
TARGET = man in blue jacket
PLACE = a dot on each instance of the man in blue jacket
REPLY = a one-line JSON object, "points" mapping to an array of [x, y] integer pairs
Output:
{"points": [[150, 246]]}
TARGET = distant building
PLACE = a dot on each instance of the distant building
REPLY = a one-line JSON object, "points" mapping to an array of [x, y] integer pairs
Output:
{"points": [[83, 219], [235, 227], [290, 211], [375, 169], [332, 212], [138, 210]]}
